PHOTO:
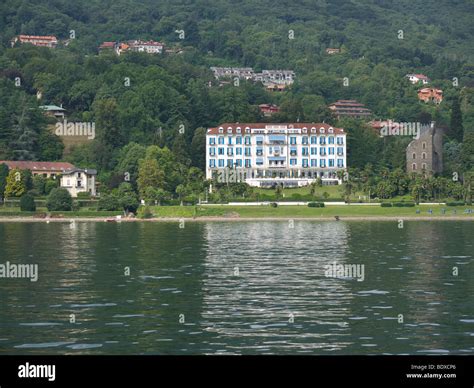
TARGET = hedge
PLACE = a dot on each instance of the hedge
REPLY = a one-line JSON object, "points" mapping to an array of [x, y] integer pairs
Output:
{"points": [[386, 204], [455, 203], [316, 204]]}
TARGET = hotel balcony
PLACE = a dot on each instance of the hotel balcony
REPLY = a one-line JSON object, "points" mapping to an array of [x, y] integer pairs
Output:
{"points": [[277, 162], [276, 139]]}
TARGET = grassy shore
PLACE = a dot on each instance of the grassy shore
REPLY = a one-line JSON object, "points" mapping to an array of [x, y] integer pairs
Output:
{"points": [[224, 212]]}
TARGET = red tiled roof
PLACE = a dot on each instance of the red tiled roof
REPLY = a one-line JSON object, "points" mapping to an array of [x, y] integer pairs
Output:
{"points": [[107, 45], [233, 127], [47, 37], [37, 166]]}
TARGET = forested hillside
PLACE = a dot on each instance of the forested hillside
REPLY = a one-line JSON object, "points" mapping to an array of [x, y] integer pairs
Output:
{"points": [[381, 41]]}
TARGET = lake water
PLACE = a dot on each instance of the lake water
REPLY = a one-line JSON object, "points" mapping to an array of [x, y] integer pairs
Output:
{"points": [[238, 288]]}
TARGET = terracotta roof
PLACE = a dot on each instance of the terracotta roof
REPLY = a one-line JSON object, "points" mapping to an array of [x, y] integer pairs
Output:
{"points": [[37, 166], [107, 45], [47, 37], [233, 127]]}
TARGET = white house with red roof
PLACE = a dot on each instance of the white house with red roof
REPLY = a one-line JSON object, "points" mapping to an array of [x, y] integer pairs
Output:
{"points": [[36, 40], [415, 78], [263, 154], [73, 179]]}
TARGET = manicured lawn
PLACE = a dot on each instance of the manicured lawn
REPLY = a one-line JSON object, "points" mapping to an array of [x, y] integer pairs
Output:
{"points": [[261, 211], [335, 192], [304, 211]]}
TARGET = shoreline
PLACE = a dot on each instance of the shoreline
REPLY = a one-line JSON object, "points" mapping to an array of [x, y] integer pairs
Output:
{"points": [[234, 219]]}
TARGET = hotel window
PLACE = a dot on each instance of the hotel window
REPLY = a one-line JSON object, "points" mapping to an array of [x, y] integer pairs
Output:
{"points": [[292, 162], [413, 166], [238, 162], [322, 151], [314, 150], [230, 140], [221, 162], [331, 150], [212, 140], [340, 150], [293, 151], [212, 151], [230, 163], [247, 151], [212, 163], [270, 150], [293, 140], [221, 130], [305, 162], [322, 140], [259, 151], [230, 151], [238, 140], [331, 162], [247, 140], [423, 155], [322, 163], [340, 162], [304, 140], [220, 151], [314, 163], [221, 140], [247, 162], [260, 140], [340, 140], [305, 151], [238, 151], [331, 140], [414, 155], [314, 140]]}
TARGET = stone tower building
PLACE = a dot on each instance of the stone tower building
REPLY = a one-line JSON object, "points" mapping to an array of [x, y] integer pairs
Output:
{"points": [[425, 154]]}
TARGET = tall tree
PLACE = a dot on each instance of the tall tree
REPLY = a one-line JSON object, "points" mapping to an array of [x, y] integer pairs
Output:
{"points": [[456, 125]]}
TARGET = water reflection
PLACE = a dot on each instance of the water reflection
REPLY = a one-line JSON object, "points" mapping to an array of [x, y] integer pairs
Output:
{"points": [[246, 287]]}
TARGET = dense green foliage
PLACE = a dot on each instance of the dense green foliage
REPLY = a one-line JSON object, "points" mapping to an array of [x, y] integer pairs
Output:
{"points": [[150, 133], [59, 199], [27, 203]]}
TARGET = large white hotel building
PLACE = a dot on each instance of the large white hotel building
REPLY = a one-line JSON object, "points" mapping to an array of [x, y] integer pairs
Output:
{"points": [[293, 154]]}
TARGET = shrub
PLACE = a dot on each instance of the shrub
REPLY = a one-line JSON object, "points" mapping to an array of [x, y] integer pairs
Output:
{"points": [[27, 203], [316, 204], [386, 204], [50, 185], [59, 199], [144, 212], [108, 202], [273, 204], [455, 203], [84, 195], [404, 204]]}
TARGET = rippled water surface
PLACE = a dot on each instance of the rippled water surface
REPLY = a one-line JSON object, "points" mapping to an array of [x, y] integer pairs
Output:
{"points": [[238, 288]]}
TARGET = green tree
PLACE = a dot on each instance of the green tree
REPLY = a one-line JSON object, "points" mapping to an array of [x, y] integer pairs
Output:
{"points": [[456, 124], [3, 179], [149, 175], [59, 200], [15, 186], [27, 203]]}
